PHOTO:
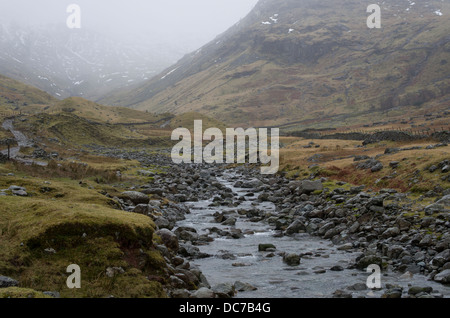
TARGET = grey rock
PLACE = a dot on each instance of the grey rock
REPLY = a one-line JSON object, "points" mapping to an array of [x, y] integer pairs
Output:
{"points": [[377, 167], [168, 238], [291, 259], [113, 271], [203, 293], [308, 186], [393, 293], [8, 282], [295, 227], [414, 290], [357, 287], [391, 232], [443, 277], [224, 290], [53, 294], [136, 197], [265, 247], [365, 261], [141, 209], [242, 287]]}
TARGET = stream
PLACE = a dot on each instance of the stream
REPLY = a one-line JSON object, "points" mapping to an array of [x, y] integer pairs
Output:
{"points": [[323, 268]]}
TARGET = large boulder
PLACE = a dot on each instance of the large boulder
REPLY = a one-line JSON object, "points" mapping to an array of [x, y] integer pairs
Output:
{"points": [[308, 186], [136, 197], [168, 238], [443, 277], [296, 227]]}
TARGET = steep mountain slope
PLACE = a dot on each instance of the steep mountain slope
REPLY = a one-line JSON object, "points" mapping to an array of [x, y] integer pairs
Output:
{"points": [[66, 62], [310, 63]]}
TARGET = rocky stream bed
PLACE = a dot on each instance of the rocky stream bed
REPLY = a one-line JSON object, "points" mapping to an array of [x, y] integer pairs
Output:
{"points": [[236, 233]]}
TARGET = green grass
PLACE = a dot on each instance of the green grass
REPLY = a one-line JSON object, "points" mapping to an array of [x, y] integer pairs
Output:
{"points": [[82, 226]]}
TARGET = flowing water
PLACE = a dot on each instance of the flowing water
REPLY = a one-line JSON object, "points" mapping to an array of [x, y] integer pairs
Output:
{"points": [[239, 259]]}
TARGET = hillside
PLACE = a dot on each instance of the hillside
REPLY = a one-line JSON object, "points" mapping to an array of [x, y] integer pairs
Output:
{"points": [[304, 64], [15, 95]]}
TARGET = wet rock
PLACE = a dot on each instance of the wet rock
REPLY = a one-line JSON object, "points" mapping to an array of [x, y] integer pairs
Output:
{"points": [[203, 293], [443, 277], [403, 224], [365, 261], [391, 232], [136, 197], [141, 209], [414, 290], [186, 234], [291, 259], [229, 222], [163, 223], [266, 247], [440, 259], [177, 282], [6, 282], [243, 287], [308, 186], [168, 238], [188, 250], [180, 293], [345, 247], [357, 287], [393, 293], [224, 290], [334, 231], [337, 268], [342, 294], [296, 227]]}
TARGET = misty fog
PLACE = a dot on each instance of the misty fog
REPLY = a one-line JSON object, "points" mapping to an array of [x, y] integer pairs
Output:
{"points": [[186, 24]]}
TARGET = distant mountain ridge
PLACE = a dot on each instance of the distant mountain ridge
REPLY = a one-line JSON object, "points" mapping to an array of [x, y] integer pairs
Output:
{"points": [[78, 62], [311, 63]]}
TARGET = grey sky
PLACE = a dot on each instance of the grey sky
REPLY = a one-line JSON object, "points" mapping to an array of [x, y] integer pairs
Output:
{"points": [[192, 22]]}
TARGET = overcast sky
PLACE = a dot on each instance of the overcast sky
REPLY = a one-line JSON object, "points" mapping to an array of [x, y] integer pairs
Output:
{"points": [[192, 21]]}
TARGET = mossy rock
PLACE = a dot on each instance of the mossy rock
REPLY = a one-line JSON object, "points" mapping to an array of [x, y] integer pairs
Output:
{"points": [[16, 292]]}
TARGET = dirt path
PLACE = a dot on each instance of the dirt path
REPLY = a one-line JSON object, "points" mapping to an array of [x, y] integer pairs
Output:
{"points": [[22, 142]]}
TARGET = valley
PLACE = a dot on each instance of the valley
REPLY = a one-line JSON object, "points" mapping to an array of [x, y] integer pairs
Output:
{"points": [[363, 177]]}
